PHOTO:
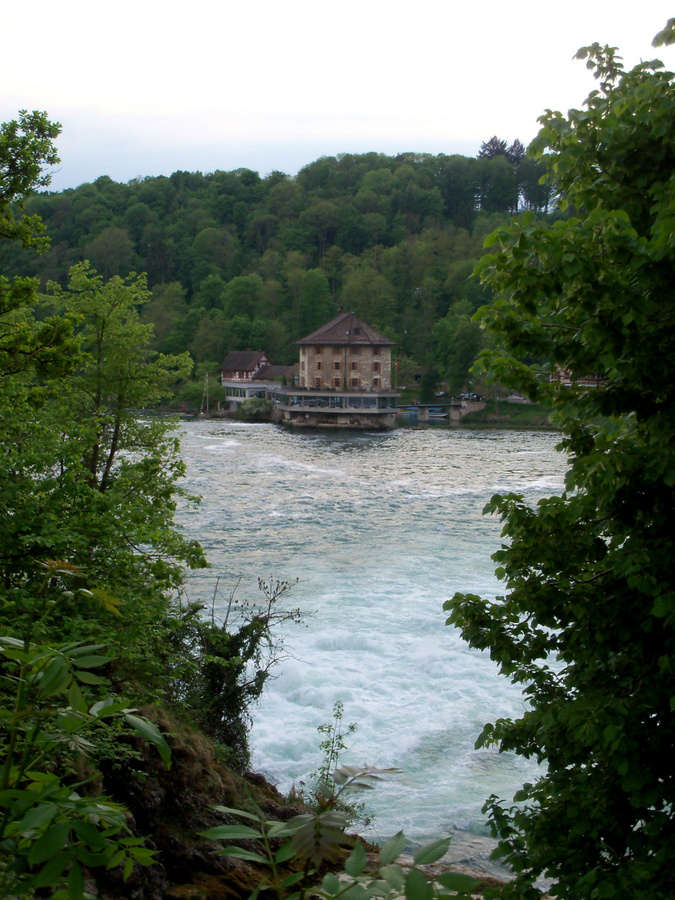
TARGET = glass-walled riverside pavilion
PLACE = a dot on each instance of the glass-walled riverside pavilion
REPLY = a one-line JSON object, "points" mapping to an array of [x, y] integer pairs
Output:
{"points": [[346, 409], [309, 400]]}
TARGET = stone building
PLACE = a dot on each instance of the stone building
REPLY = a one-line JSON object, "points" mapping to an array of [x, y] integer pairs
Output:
{"points": [[346, 354], [344, 378]]}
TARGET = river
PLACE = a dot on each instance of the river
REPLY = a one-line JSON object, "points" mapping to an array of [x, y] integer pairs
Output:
{"points": [[380, 529]]}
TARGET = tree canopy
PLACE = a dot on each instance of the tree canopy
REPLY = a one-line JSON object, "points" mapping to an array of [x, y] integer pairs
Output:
{"points": [[92, 566], [587, 621], [368, 232]]}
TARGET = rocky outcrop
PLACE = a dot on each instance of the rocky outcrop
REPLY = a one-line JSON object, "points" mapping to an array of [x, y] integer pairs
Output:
{"points": [[170, 806]]}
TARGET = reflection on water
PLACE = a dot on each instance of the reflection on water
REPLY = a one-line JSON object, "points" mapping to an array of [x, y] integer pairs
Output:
{"points": [[380, 529]]}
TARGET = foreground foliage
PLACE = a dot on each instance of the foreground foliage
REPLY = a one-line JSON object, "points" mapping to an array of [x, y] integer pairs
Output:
{"points": [[308, 842], [231, 661], [55, 700], [88, 490], [587, 624]]}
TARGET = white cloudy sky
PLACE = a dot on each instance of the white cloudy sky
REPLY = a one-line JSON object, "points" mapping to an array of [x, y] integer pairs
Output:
{"points": [[145, 88]]}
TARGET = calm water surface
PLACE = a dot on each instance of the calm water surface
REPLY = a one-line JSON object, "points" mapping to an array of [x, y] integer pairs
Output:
{"points": [[380, 529]]}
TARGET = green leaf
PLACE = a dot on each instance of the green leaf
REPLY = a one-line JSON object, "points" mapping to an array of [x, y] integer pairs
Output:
{"points": [[240, 853], [55, 678], [231, 832], [284, 853], [456, 881], [51, 873], [356, 891], [393, 848], [292, 879], [75, 698], [91, 662], [37, 817], [394, 877], [90, 859], [417, 887], [151, 733], [331, 883], [356, 862], [282, 829], [431, 853], [116, 859], [11, 642], [89, 678], [49, 844], [144, 856], [237, 812], [75, 881], [103, 709], [90, 834], [75, 650]]}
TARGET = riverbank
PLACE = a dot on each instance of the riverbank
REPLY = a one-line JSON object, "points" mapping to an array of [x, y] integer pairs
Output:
{"points": [[487, 415], [502, 414], [171, 807], [497, 415]]}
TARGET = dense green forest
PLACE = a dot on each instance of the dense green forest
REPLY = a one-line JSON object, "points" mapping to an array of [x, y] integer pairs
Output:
{"points": [[238, 261]]}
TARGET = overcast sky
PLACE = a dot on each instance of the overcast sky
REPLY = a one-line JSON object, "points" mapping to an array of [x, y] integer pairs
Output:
{"points": [[146, 88]]}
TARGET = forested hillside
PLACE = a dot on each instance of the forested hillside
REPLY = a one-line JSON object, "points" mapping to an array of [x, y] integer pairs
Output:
{"points": [[239, 261]]}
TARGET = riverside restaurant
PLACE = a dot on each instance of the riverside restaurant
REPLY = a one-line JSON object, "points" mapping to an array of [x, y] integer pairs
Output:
{"points": [[305, 407]]}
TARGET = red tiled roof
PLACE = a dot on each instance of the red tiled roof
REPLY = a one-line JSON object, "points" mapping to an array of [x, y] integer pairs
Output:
{"points": [[346, 329]]}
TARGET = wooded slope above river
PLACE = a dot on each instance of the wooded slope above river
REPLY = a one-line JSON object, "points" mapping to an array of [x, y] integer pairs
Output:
{"points": [[237, 261]]}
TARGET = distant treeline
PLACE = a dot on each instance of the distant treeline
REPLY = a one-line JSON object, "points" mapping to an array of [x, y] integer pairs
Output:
{"points": [[237, 261]]}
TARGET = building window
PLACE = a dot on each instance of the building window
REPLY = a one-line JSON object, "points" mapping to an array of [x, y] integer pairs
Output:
{"points": [[336, 382], [354, 382], [376, 351], [376, 367], [376, 383], [318, 364], [355, 367], [302, 365], [318, 350], [355, 351], [336, 365], [336, 351], [317, 383]]}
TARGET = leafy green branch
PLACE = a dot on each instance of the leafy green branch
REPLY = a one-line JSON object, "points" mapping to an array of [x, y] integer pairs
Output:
{"points": [[49, 831], [296, 851]]}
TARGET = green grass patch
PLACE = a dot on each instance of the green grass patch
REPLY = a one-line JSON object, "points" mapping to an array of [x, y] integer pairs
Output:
{"points": [[509, 415]]}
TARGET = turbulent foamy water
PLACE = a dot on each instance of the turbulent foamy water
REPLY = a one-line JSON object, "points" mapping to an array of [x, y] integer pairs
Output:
{"points": [[380, 529]]}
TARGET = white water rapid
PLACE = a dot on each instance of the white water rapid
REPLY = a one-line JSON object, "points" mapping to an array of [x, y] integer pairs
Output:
{"points": [[380, 529]]}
